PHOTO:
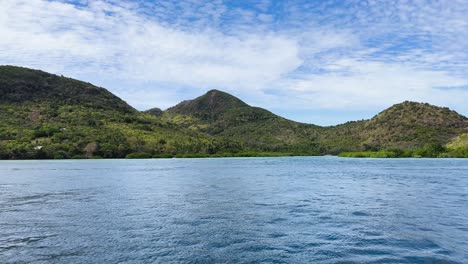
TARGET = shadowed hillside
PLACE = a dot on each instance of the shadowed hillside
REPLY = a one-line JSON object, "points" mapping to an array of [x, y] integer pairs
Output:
{"points": [[26, 86]]}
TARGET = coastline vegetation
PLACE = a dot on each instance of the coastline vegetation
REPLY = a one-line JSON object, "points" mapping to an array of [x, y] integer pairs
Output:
{"points": [[428, 151], [217, 155]]}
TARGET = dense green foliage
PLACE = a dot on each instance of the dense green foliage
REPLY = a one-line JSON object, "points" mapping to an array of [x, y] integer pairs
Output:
{"points": [[459, 142], [76, 123], [145, 155], [428, 151], [408, 125], [25, 86], [219, 114], [40, 131], [154, 111], [459, 146], [46, 116]]}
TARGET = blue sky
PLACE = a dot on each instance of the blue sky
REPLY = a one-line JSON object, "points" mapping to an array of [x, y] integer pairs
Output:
{"points": [[321, 62]]}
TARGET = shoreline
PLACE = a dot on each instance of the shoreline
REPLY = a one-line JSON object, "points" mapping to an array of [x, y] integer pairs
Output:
{"points": [[240, 157]]}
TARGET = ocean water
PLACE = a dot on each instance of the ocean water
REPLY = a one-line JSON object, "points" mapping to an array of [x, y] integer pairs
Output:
{"points": [[234, 210]]}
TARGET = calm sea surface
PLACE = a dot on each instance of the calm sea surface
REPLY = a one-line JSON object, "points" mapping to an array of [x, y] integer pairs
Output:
{"points": [[234, 210]]}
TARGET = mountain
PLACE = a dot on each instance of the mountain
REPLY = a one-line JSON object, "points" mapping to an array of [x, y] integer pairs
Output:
{"points": [[211, 106], [220, 114], [26, 86], [411, 124], [406, 125], [48, 116], [154, 111]]}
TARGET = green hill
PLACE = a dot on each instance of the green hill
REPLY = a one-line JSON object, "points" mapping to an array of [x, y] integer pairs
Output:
{"points": [[410, 124], [48, 116], [211, 106], [222, 115], [154, 111], [22, 86], [407, 125]]}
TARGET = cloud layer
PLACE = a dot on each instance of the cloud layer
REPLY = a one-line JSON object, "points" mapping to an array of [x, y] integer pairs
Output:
{"points": [[289, 56]]}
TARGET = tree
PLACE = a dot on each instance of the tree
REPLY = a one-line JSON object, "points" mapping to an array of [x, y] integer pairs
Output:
{"points": [[90, 149], [4, 152]]}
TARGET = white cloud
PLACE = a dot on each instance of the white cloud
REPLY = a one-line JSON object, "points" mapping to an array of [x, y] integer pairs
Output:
{"points": [[108, 39], [371, 84]]}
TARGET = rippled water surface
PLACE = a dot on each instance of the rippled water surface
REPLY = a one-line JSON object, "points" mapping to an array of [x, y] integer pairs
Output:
{"points": [[241, 210]]}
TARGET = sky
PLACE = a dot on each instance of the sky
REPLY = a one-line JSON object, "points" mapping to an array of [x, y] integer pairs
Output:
{"points": [[322, 62]]}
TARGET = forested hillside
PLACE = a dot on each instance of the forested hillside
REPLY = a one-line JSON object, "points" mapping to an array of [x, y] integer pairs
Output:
{"points": [[48, 116]]}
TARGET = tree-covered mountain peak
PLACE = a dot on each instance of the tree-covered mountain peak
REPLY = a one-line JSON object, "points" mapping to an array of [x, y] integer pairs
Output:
{"points": [[209, 106], [414, 113], [154, 111], [20, 85]]}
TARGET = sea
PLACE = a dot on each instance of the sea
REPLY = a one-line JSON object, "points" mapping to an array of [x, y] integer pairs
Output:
{"points": [[234, 210]]}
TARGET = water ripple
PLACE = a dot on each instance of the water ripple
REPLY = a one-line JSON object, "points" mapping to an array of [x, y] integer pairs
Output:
{"points": [[281, 210]]}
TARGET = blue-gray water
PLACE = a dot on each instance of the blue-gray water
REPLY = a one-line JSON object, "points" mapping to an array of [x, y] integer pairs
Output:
{"points": [[239, 210]]}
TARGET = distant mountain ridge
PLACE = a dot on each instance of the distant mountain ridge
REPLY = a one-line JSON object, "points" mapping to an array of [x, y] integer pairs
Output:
{"points": [[49, 116]]}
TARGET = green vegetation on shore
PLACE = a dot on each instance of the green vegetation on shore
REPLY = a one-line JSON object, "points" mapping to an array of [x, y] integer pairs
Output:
{"points": [[143, 155], [428, 151], [45, 116]]}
